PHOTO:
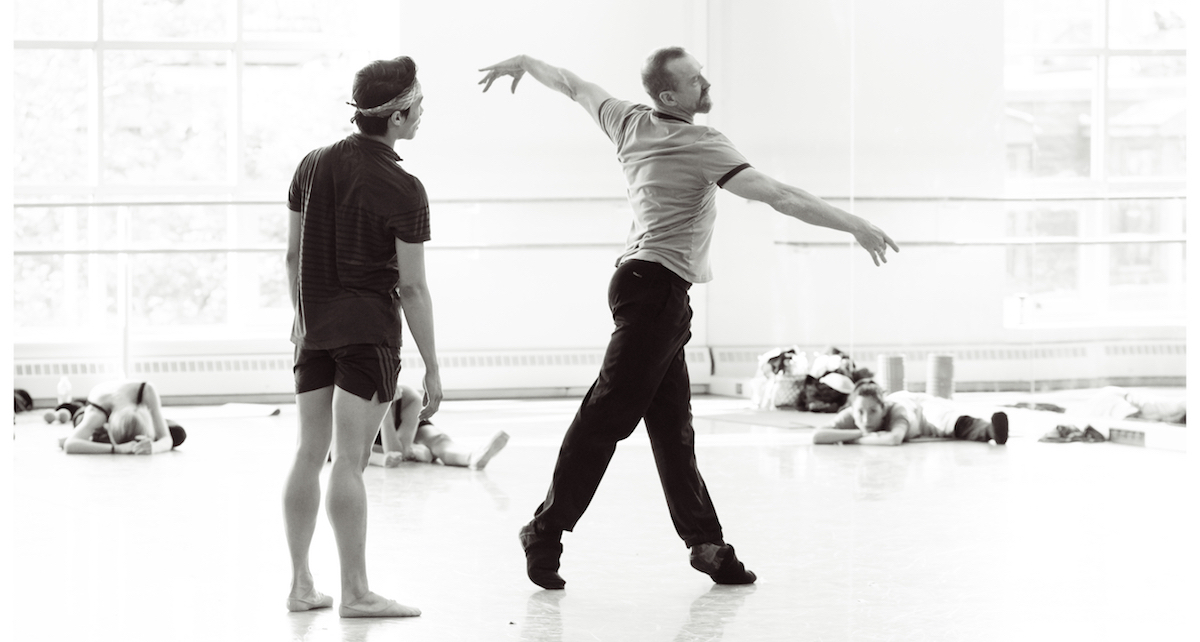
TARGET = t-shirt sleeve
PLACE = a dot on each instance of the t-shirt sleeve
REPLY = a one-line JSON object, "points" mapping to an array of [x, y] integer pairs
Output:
{"points": [[409, 219], [720, 160], [613, 115], [299, 179]]}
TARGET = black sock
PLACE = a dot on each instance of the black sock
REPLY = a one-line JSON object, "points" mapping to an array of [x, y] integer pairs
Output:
{"points": [[542, 556], [723, 567], [1000, 428]]}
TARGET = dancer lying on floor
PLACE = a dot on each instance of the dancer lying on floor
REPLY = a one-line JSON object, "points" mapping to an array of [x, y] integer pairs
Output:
{"points": [[404, 436], [122, 417], [876, 420]]}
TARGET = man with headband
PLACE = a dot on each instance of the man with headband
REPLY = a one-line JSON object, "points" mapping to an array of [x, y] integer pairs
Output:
{"points": [[673, 168], [357, 228]]}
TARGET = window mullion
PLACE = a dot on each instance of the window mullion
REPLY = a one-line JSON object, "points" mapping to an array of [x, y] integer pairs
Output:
{"points": [[96, 142], [237, 155], [1100, 103], [1099, 126]]}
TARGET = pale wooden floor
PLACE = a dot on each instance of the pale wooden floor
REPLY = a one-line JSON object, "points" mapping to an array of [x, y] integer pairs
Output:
{"points": [[929, 541]]}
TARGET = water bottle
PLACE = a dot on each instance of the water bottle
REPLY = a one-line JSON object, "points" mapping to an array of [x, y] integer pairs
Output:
{"points": [[64, 390]]}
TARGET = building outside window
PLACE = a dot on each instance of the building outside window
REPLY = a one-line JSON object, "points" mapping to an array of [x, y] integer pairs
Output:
{"points": [[168, 129], [1095, 112]]}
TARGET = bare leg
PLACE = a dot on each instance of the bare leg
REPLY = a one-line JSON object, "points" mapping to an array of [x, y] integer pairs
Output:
{"points": [[484, 454], [355, 421], [451, 454], [443, 447], [381, 454], [302, 494], [390, 433]]}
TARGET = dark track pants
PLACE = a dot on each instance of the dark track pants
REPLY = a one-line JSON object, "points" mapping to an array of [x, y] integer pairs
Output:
{"points": [[643, 376]]}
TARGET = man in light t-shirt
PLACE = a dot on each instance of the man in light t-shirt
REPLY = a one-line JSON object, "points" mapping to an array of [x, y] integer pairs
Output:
{"points": [[673, 168]]}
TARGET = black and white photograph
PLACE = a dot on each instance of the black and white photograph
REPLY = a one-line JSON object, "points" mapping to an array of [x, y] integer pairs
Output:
{"points": [[599, 321]]}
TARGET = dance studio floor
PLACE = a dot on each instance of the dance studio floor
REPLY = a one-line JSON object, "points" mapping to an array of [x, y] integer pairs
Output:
{"points": [[928, 541]]}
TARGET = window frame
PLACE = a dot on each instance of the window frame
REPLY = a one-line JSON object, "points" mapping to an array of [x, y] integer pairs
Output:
{"points": [[1098, 183]]}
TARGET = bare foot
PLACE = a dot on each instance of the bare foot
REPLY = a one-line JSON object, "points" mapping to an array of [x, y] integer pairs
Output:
{"points": [[373, 605], [312, 599], [393, 459], [481, 457]]}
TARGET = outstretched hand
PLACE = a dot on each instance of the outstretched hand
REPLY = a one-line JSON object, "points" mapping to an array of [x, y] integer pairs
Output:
{"points": [[875, 241], [511, 67]]}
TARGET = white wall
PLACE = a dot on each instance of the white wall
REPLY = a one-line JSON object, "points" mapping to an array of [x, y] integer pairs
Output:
{"points": [[911, 94], [862, 98], [871, 99], [536, 143]]}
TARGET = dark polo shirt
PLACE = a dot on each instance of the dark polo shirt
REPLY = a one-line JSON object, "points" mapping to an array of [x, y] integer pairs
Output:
{"points": [[354, 200]]}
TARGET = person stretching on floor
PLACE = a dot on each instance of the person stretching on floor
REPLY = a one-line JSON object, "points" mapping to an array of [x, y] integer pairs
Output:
{"points": [[404, 436], [122, 417], [877, 420]]}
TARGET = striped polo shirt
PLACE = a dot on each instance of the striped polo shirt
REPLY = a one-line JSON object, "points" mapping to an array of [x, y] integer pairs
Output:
{"points": [[673, 169], [354, 200]]}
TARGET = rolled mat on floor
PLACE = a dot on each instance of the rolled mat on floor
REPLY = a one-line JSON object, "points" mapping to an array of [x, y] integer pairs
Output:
{"points": [[939, 377], [891, 372]]}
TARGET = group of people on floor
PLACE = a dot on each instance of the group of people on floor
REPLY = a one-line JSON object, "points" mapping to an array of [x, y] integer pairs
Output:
{"points": [[124, 417]]}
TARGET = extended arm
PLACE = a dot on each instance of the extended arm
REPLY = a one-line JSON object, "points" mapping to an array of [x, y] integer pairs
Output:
{"points": [[840, 430], [843, 430], [398, 445], [892, 437], [830, 435], [799, 204], [79, 442], [418, 311], [399, 438], [162, 436], [589, 95]]}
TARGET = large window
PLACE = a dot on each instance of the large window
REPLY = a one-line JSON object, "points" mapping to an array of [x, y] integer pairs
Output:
{"points": [[1096, 107], [145, 134]]}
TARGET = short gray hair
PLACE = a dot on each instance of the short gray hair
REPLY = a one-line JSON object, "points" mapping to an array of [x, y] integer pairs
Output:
{"points": [[655, 77]]}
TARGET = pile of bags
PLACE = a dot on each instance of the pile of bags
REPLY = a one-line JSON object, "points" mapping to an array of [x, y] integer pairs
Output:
{"points": [[787, 379]]}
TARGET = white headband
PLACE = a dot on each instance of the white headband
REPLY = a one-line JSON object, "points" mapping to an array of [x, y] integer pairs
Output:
{"points": [[399, 103]]}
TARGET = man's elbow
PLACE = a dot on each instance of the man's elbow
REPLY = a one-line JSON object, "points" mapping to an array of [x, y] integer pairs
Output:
{"points": [[779, 198], [412, 291]]}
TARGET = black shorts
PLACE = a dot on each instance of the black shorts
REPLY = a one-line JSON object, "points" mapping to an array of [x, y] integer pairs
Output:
{"points": [[367, 371]]}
